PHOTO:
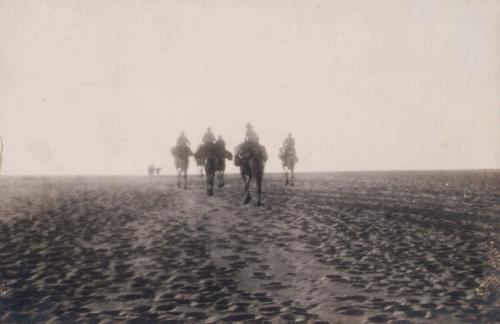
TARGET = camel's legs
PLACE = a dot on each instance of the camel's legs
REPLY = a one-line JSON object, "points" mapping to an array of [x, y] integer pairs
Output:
{"points": [[258, 181], [185, 179], [292, 177], [179, 178], [248, 198], [286, 176], [220, 177], [210, 184]]}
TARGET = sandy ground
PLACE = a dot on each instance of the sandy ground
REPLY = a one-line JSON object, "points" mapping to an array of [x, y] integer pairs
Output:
{"points": [[339, 248]]}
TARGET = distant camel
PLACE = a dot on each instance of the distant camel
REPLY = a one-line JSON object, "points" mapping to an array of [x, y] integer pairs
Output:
{"points": [[288, 160], [152, 170], [215, 165], [181, 156], [220, 167], [251, 164]]}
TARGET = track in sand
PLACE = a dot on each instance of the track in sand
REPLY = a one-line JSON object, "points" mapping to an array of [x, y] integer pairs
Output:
{"points": [[343, 248]]}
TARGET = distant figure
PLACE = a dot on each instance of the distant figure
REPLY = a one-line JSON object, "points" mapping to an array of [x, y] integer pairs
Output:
{"points": [[183, 140], [220, 143], [250, 156], [152, 170], [181, 153], [288, 158], [207, 140], [250, 143], [251, 135], [221, 147], [289, 143], [213, 157], [209, 137]]}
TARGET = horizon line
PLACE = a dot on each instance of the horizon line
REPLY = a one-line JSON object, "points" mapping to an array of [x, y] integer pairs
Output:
{"points": [[272, 172]]}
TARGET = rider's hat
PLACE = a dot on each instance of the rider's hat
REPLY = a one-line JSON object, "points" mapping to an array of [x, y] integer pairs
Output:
{"points": [[249, 125]]}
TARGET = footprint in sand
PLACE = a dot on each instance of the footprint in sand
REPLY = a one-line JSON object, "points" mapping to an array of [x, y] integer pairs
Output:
{"points": [[269, 310], [275, 285], [238, 317], [358, 298], [199, 316], [349, 310]]}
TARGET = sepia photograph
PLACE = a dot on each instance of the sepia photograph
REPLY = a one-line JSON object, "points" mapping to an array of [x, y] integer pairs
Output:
{"points": [[264, 161]]}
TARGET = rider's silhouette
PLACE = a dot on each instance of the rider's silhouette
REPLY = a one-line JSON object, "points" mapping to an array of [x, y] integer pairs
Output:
{"points": [[209, 137], [183, 140]]}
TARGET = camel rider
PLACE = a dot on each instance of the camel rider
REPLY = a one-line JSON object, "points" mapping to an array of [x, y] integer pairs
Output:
{"points": [[221, 145], [289, 143], [251, 144], [206, 142], [183, 140], [220, 142], [251, 136], [182, 146], [289, 147], [209, 137]]}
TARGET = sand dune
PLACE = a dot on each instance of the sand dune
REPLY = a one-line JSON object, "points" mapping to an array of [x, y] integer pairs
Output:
{"points": [[339, 248]]}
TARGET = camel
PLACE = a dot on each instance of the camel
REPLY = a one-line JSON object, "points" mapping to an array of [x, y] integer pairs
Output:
{"points": [[152, 170], [288, 160], [214, 161], [252, 163], [181, 156], [220, 167]]}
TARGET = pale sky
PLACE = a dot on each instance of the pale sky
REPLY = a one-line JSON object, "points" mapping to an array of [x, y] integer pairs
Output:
{"points": [[105, 86]]}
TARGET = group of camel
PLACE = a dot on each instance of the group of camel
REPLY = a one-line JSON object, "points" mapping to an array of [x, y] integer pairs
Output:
{"points": [[251, 166]]}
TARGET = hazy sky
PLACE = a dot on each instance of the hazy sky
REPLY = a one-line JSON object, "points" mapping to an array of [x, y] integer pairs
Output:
{"points": [[105, 86]]}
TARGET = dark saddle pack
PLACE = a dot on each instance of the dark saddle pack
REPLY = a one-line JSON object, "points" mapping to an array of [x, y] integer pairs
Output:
{"points": [[212, 150], [181, 152], [248, 150], [288, 152]]}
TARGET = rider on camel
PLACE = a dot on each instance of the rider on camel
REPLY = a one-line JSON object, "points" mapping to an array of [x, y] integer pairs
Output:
{"points": [[289, 147], [221, 145], [183, 145], [251, 143], [251, 136], [220, 142], [221, 148], [207, 140], [289, 143], [209, 137], [183, 140]]}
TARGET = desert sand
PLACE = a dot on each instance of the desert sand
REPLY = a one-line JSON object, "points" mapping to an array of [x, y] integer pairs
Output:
{"points": [[399, 247]]}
